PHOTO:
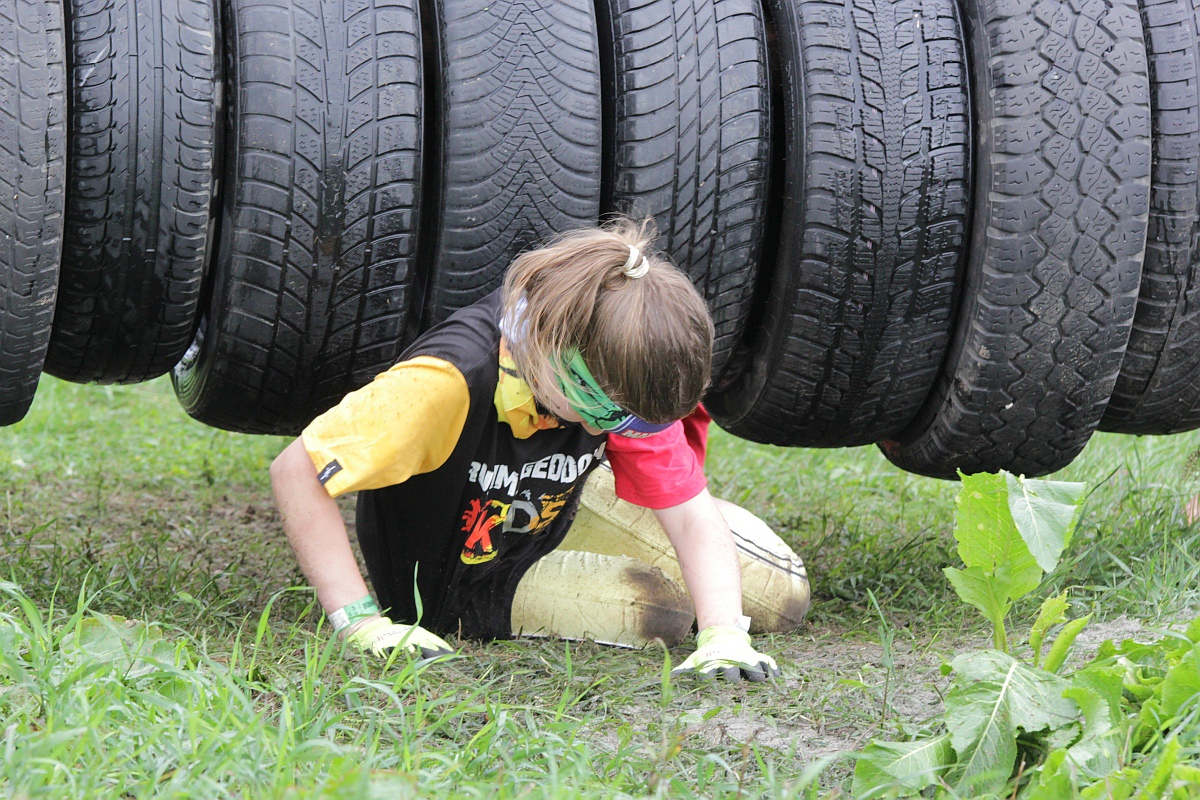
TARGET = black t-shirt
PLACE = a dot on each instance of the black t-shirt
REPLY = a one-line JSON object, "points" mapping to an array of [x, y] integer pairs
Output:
{"points": [[469, 529]]}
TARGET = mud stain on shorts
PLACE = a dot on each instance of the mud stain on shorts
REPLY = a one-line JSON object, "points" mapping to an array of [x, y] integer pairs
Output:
{"points": [[667, 613]]}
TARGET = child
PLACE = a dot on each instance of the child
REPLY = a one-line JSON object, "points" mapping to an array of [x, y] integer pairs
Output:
{"points": [[468, 455]]}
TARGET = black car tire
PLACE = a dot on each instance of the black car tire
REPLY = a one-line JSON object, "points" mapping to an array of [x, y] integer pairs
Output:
{"points": [[32, 174], [858, 311], [688, 124], [1061, 201], [142, 138], [1158, 390], [516, 153], [312, 285]]}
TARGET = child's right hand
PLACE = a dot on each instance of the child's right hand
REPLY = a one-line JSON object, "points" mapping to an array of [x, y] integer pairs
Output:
{"points": [[725, 651], [379, 636]]}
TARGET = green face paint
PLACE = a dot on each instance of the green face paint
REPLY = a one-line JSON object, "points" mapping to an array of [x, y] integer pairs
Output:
{"points": [[589, 401], [586, 397]]}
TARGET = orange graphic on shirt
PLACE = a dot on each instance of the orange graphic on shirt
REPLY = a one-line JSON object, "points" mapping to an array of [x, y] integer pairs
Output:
{"points": [[479, 520], [551, 505]]}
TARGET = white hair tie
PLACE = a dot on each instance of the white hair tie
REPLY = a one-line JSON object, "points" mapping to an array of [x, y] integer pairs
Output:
{"points": [[635, 257]]}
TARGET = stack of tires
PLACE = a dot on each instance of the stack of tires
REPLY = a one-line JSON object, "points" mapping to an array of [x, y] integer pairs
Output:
{"points": [[968, 233]]}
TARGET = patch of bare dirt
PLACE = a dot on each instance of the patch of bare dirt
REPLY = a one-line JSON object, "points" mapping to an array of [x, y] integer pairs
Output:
{"points": [[837, 693], [151, 544], [1117, 629]]}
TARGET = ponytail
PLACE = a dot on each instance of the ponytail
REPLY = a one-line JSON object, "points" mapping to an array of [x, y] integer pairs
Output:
{"points": [[642, 328]]}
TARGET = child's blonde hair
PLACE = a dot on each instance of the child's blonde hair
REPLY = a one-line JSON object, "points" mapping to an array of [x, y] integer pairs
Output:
{"points": [[647, 340]]}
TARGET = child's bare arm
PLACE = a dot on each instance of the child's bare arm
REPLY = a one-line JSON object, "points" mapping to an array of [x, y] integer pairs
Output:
{"points": [[709, 561], [315, 530], [708, 558], [317, 535]]}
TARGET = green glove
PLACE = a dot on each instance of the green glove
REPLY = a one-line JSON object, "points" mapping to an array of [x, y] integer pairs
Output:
{"points": [[380, 636], [726, 651]]}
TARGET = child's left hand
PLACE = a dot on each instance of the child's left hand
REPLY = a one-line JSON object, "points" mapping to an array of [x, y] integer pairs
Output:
{"points": [[726, 651]]}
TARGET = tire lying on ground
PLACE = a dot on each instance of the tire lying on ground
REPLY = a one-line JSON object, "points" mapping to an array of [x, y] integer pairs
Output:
{"points": [[775, 589], [857, 316], [311, 288], [142, 132], [32, 174], [516, 154], [1158, 389], [610, 599], [1061, 198], [689, 130]]}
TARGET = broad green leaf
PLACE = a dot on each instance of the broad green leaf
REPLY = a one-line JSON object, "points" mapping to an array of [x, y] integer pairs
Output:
{"points": [[1063, 643], [1182, 684], [900, 769], [987, 536], [1106, 681], [1193, 631], [981, 590], [981, 516], [1098, 751], [1053, 780], [984, 737], [1053, 612], [1045, 513], [1117, 786], [1053, 739], [993, 695], [130, 645]]}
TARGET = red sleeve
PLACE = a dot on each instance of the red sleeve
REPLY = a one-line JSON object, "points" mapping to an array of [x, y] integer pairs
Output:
{"points": [[665, 469]]}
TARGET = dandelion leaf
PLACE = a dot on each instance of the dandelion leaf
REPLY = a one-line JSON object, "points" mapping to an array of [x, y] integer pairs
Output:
{"points": [[1053, 780], [1181, 687], [1193, 631], [1098, 751], [1117, 786]]}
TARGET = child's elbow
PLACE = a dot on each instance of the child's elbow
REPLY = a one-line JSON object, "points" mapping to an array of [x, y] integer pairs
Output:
{"points": [[289, 464]]}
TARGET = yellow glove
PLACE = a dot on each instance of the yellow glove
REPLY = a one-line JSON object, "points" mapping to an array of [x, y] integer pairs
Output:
{"points": [[725, 651], [380, 636]]}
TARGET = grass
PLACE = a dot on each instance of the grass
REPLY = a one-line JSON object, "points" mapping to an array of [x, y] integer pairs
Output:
{"points": [[117, 505]]}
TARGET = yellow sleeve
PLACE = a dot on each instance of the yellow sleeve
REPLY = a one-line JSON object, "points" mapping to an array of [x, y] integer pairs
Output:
{"points": [[404, 423]]}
